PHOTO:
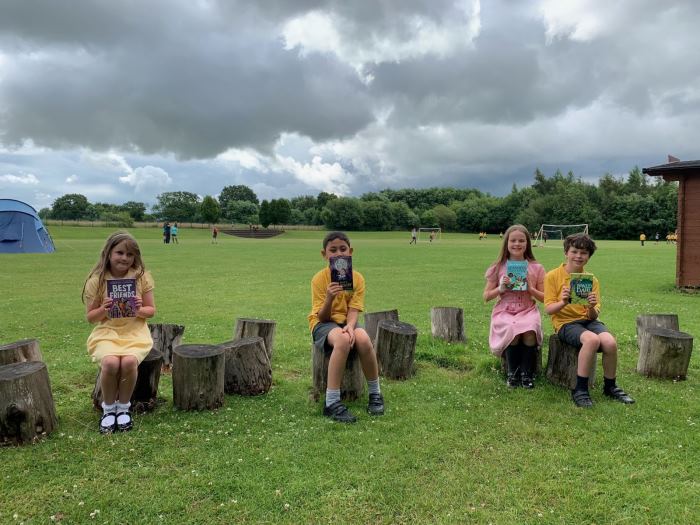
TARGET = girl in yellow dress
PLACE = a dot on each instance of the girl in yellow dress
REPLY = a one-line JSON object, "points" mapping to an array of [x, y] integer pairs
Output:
{"points": [[118, 344]]}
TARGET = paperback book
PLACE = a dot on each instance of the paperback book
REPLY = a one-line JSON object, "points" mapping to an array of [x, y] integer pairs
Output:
{"points": [[341, 271], [517, 272], [581, 285], [123, 295]]}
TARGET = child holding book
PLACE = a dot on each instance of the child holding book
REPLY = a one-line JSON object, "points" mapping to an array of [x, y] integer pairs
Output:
{"points": [[333, 325], [118, 344], [516, 325], [578, 324]]}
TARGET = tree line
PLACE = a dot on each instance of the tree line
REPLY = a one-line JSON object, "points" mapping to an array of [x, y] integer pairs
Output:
{"points": [[614, 207]]}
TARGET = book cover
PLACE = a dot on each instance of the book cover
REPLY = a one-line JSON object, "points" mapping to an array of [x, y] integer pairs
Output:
{"points": [[517, 272], [341, 271], [123, 295], [581, 285]]}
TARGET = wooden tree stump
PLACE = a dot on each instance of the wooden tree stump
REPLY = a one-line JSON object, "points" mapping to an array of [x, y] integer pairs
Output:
{"points": [[145, 396], [20, 352], [264, 328], [396, 346], [353, 383], [447, 323], [665, 353], [198, 377], [27, 410], [247, 369], [644, 322], [538, 362], [372, 320], [562, 363], [165, 338]]}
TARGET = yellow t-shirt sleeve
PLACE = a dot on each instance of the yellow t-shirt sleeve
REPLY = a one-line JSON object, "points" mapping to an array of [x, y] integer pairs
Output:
{"points": [[318, 296], [146, 283], [358, 295], [552, 292], [90, 289]]}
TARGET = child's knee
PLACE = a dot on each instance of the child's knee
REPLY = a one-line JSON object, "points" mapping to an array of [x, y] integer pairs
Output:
{"points": [[109, 364], [608, 342], [129, 363], [590, 339], [362, 338]]}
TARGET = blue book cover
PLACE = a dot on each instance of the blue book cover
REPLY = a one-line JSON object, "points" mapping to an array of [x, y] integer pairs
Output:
{"points": [[123, 295], [341, 271], [517, 272], [581, 285]]}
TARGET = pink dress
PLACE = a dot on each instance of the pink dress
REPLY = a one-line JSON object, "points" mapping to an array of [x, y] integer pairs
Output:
{"points": [[515, 312]]}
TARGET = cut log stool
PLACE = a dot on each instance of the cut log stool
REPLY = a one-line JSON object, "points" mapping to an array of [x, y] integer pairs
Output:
{"points": [[27, 410], [145, 396], [165, 338], [562, 363], [447, 323], [396, 346], [538, 362], [198, 377], [20, 351], [264, 328], [247, 370], [353, 383], [372, 320], [646, 321], [665, 353]]}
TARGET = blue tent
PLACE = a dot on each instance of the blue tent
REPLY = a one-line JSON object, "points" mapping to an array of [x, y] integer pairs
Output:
{"points": [[21, 229]]}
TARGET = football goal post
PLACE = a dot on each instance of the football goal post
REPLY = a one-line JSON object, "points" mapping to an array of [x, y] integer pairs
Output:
{"points": [[557, 232], [429, 234]]}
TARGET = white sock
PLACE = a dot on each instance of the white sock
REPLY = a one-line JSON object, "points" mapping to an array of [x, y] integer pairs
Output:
{"points": [[108, 422], [124, 418]]}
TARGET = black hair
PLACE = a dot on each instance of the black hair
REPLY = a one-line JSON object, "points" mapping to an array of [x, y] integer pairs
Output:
{"points": [[332, 236]]}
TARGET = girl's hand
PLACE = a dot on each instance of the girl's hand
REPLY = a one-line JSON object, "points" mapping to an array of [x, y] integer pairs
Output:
{"points": [[566, 294], [503, 284], [138, 301], [107, 303]]}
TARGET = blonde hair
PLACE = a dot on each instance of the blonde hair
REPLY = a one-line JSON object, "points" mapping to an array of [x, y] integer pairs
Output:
{"points": [[102, 265], [503, 256]]}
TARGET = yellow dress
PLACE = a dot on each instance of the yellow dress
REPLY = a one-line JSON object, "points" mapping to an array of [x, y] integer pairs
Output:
{"points": [[122, 336]]}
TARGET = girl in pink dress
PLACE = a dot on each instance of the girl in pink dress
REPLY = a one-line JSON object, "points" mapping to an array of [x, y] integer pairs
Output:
{"points": [[516, 326]]}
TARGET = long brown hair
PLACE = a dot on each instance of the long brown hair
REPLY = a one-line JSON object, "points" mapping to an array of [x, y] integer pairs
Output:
{"points": [[102, 265], [503, 256]]}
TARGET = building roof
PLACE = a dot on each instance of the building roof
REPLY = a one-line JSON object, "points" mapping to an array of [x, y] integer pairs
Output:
{"points": [[685, 167]]}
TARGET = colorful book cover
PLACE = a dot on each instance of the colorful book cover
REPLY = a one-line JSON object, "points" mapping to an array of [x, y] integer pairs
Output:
{"points": [[341, 271], [123, 295], [581, 285], [517, 272]]}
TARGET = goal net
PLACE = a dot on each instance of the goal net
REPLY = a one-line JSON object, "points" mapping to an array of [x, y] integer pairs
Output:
{"points": [[429, 234], [557, 232]]}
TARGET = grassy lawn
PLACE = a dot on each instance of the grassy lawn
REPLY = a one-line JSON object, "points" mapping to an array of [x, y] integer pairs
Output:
{"points": [[455, 445]]}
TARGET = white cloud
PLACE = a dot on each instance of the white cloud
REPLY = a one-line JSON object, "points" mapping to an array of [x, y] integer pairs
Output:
{"points": [[147, 177], [73, 178], [584, 20], [247, 158], [331, 178], [27, 179]]}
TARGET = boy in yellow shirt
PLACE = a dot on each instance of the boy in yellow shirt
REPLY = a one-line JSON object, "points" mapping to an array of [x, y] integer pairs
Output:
{"points": [[578, 324], [333, 325]]}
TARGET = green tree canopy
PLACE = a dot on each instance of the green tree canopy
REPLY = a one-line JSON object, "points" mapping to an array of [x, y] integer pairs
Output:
{"points": [[176, 206], [210, 210], [136, 209], [342, 213], [242, 212], [71, 206], [236, 193]]}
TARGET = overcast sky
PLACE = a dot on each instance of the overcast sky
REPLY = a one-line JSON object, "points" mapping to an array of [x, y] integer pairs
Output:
{"points": [[125, 100]]}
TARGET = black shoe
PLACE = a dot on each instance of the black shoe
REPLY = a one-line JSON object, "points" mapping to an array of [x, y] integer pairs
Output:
{"points": [[105, 426], [124, 427], [513, 381], [582, 398], [375, 406], [527, 381], [339, 412], [527, 365], [618, 394], [512, 367]]}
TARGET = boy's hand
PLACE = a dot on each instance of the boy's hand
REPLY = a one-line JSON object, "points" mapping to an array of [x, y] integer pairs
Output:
{"points": [[350, 330], [592, 300], [333, 290], [566, 294]]}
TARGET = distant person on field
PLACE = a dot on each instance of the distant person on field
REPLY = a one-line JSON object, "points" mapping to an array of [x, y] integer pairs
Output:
{"points": [[118, 345], [166, 233], [333, 325], [432, 236], [173, 234], [413, 236], [516, 325], [578, 324], [656, 238], [214, 235], [642, 238]]}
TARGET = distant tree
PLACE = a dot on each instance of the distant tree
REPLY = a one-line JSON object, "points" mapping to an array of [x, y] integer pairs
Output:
{"points": [[324, 198], [377, 215], [342, 214], [242, 212], [236, 193], [120, 219], [45, 213], [71, 206], [176, 206], [136, 209], [265, 214], [404, 217], [210, 210], [296, 217], [303, 202], [446, 218], [280, 211]]}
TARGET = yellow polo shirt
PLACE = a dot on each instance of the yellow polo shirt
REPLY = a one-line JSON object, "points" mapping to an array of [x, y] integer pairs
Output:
{"points": [[342, 302], [554, 282]]}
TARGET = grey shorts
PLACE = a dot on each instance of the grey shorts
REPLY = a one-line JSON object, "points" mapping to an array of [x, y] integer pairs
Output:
{"points": [[320, 335], [570, 333]]}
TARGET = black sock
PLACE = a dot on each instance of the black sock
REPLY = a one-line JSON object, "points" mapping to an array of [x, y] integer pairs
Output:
{"points": [[581, 383], [608, 384]]}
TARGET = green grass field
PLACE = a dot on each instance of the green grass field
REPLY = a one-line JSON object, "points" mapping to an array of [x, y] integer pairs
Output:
{"points": [[455, 445]]}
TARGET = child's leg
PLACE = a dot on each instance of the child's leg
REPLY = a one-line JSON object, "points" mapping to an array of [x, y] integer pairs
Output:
{"points": [[528, 359], [368, 359], [340, 341], [109, 378], [609, 347], [128, 370], [590, 342]]}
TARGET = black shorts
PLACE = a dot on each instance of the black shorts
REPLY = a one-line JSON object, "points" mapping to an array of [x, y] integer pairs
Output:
{"points": [[570, 333], [320, 334]]}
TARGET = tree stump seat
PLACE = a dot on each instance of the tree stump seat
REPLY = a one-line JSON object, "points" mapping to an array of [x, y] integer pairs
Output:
{"points": [[372, 320], [145, 395], [352, 384], [665, 353], [20, 351], [396, 348], [647, 321], [198, 377], [27, 410], [165, 338], [247, 367], [265, 328], [562, 364], [447, 323]]}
